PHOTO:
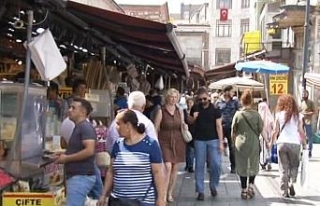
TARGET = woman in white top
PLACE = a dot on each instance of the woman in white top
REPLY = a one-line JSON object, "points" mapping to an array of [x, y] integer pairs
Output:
{"points": [[288, 135]]}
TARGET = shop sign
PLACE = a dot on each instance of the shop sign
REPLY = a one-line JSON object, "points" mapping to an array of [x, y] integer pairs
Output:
{"points": [[28, 199], [278, 84], [65, 92], [54, 198]]}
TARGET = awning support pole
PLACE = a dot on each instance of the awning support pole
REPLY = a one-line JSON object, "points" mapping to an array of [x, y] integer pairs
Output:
{"points": [[306, 44], [15, 153]]}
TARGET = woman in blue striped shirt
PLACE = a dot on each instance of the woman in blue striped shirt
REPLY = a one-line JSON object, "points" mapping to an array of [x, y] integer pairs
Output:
{"points": [[136, 170]]}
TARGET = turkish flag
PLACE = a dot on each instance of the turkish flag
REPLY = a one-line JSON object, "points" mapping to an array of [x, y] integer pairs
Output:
{"points": [[223, 14]]}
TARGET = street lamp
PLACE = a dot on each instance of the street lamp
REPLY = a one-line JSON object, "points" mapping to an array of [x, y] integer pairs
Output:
{"points": [[306, 41]]}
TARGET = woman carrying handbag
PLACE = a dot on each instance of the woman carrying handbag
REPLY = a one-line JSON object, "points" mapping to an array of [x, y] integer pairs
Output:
{"points": [[288, 135]]}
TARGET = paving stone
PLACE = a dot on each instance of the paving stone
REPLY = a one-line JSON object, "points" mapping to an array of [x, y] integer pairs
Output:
{"points": [[267, 188]]}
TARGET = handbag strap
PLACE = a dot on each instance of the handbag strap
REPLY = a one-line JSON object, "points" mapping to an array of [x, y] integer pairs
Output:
{"points": [[248, 123], [281, 127]]}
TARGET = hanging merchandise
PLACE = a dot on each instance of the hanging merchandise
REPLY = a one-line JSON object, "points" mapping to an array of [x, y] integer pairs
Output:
{"points": [[159, 84], [46, 56], [114, 75], [132, 71], [144, 84]]}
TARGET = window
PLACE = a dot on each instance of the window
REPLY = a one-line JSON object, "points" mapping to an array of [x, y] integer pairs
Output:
{"points": [[223, 28], [245, 4], [223, 56], [224, 4], [244, 26]]}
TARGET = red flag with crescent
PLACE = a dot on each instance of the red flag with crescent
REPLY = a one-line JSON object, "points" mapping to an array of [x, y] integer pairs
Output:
{"points": [[223, 14]]}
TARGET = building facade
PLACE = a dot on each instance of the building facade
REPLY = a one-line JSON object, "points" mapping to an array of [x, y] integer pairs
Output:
{"points": [[192, 29], [102, 4], [159, 13], [229, 20]]}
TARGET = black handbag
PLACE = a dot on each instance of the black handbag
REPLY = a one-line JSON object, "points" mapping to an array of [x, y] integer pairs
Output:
{"points": [[113, 201]]}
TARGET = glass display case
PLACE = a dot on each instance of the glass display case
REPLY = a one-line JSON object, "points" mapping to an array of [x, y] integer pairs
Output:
{"points": [[26, 157]]}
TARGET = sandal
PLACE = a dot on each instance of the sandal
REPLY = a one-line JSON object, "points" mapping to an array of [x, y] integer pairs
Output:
{"points": [[251, 191], [170, 199], [244, 195]]}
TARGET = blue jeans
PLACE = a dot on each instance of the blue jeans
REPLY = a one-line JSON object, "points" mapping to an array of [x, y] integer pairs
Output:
{"points": [[78, 188], [96, 191], [204, 150], [309, 134], [189, 156]]}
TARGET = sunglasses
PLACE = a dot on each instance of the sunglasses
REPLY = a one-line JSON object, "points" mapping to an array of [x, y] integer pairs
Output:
{"points": [[203, 99]]}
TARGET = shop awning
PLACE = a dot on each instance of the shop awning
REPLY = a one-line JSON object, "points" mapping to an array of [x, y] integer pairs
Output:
{"points": [[313, 79], [154, 42], [228, 70], [221, 72]]}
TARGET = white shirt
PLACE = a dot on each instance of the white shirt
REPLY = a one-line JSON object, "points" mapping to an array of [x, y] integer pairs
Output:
{"points": [[113, 134], [290, 133], [66, 129]]}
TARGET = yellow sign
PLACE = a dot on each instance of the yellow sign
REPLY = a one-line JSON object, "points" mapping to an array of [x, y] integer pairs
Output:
{"points": [[65, 92], [33, 199], [251, 42], [278, 84]]}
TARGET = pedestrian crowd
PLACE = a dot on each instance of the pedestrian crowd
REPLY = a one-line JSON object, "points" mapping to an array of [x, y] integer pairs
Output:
{"points": [[145, 145]]}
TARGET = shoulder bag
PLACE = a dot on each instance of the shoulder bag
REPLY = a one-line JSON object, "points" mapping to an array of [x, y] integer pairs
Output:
{"points": [[187, 137], [274, 148]]}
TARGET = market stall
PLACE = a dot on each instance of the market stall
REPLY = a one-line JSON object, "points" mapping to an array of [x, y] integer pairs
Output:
{"points": [[30, 134]]}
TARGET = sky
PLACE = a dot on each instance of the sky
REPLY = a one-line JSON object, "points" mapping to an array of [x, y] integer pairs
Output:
{"points": [[174, 5]]}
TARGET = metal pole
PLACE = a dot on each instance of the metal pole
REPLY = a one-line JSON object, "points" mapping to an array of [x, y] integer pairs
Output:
{"points": [[16, 151], [306, 44]]}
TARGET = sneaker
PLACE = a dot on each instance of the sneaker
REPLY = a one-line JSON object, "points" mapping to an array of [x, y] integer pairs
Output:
{"points": [[285, 195], [190, 170], [200, 197], [269, 167], [233, 170], [310, 154], [214, 193], [292, 192]]}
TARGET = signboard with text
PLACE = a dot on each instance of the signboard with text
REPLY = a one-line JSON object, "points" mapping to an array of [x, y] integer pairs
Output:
{"points": [[65, 92], [278, 84], [33, 199]]}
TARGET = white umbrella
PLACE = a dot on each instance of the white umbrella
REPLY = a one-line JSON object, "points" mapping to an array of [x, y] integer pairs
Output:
{"points": [[237, 82]]}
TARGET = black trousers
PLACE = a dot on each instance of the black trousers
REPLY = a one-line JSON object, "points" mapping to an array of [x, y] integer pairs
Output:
{"points": [[227, 134]]}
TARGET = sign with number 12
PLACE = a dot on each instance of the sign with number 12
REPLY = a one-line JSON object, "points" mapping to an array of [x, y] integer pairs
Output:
{"points": [[278, 84]]}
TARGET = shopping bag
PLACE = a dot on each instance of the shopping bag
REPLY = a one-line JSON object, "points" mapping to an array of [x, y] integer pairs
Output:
{"points": [[304, 168], [159, 84], [274, 154]]}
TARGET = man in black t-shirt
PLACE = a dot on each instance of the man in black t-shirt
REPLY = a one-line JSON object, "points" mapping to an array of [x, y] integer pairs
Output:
{"points": [[79, 157], [208, 142]]}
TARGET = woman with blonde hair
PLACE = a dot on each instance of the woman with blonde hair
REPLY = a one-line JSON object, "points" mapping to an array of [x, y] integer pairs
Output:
{"points": [[168, 123], [288, 135], [246, 128]]}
